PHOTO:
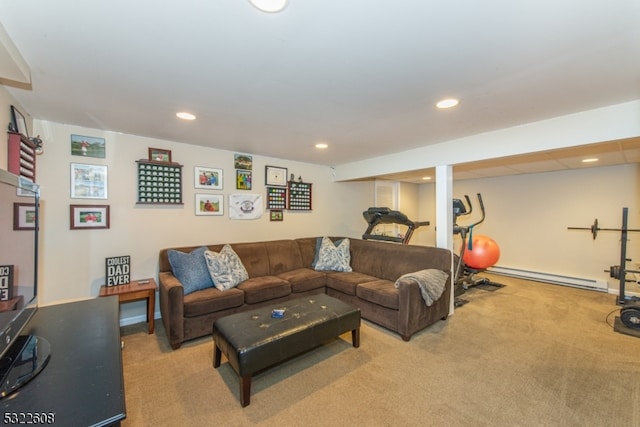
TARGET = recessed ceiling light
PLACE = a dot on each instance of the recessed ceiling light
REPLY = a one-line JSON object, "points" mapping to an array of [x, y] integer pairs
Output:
{"points": [[269, 6], [447, 103], [185, 116], [590, 160], [426, 178], [322, 145]]}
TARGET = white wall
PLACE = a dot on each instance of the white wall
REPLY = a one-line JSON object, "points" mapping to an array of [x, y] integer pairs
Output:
{"points": [[72, 262], [528, 216]]}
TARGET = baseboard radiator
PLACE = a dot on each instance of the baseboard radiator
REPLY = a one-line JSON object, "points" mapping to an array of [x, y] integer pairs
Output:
{"points": [[576, 282]]}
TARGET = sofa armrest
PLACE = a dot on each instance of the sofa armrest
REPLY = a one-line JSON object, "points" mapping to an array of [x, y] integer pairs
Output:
{"points": [[171, 295], [415, 314]]}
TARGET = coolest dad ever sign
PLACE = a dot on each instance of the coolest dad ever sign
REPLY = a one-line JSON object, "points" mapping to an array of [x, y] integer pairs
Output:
{"points": [[118, 270]]}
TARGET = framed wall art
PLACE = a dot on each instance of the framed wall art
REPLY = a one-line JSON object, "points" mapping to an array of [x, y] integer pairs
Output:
{"points": [[207, 178], [18, 122], [243, 161], [275, 176], [159, 155], [83, 217], [276, 215], [24, 216], [88, 181], [88, 146], [243, 180], [209, 204]]}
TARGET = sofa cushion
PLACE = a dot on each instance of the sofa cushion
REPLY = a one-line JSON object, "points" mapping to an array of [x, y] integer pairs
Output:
{"points": [[254, 256], [264, 288], [225, 268], [380, 292], [211, 300], [190, 269], [284, 255], [346, 282], [304, 279], [332, 257]]}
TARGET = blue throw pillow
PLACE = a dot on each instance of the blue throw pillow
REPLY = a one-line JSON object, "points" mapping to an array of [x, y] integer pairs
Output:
{"points": [[190, 269]]}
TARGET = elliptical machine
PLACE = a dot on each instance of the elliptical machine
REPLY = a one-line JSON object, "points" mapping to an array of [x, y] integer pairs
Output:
{"points": [[465, 276]]}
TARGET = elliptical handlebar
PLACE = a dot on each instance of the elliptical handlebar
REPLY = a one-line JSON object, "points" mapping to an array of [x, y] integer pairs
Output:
{"points": [[468, 204], [460, 209], [481, 209]]}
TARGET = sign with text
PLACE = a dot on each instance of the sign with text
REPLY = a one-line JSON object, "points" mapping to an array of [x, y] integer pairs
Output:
{"points": [[118, 270], [6, 282]]}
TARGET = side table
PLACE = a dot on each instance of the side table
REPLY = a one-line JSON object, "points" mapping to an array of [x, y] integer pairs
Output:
{"points": [[12, 304], [134, 291]]}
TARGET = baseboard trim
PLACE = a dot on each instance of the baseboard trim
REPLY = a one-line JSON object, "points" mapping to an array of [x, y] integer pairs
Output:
{"points": [[576, 282], [132, 320]]}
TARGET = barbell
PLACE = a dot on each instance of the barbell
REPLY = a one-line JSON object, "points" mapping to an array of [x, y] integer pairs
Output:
{"points": [[594, 229]]}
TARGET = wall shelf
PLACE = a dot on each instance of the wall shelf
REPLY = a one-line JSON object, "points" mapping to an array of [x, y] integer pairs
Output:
{"points": [[22, 156], [159, 183], [299, 196]]}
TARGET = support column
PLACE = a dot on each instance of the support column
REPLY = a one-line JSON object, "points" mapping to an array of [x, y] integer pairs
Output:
{"points": [[444, 217]]}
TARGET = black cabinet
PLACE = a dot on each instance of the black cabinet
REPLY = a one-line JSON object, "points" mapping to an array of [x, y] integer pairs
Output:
{"points": [[83, 384]]}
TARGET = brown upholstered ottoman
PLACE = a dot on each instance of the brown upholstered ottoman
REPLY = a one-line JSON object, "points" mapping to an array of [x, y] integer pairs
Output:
{"points": [[253, 340]]}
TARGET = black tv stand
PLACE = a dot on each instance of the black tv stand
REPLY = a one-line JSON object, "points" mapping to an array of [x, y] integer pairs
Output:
{"points": [[82, 384], [26, 358]]}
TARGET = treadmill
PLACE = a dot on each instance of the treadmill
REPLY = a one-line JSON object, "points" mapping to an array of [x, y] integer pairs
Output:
{"points": [[375, 216]]}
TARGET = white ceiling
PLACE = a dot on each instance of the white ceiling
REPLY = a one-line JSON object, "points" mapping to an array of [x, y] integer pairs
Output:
{"points": [[360, 75]]}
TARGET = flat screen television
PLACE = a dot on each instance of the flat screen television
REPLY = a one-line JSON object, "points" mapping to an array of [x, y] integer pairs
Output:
{"points": [[22, 357]]}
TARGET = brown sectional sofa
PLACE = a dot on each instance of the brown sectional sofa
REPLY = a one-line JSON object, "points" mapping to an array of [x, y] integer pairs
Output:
{"points": [[280, 270]]}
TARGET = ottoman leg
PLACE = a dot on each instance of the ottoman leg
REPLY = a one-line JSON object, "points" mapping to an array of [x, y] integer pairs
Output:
{"points": [[355, 337], [245, 390], [217, 355]]}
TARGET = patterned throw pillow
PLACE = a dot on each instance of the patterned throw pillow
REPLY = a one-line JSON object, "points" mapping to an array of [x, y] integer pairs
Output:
{"points": [[225, 268], [190, 269], [332, 257]]}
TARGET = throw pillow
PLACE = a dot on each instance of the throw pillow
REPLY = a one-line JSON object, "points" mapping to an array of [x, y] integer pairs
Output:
{"points": [[225, 268], [190, 269], [318, 244], [332, 257]]}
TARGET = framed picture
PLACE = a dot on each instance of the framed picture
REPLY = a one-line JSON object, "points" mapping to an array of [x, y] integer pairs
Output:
{"points": [[18, 122], [159, 155], [275, 176], [276, 215], [88, 146], [243, 161], [243, 180], [208, 178], [88, 216], [88, 181], [24, 216], [209, 204]]}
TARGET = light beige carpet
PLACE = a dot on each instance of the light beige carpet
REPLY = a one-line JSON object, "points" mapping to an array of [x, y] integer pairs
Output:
{"points": [[529, 354]]}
